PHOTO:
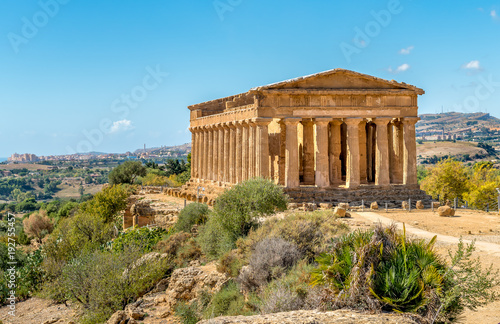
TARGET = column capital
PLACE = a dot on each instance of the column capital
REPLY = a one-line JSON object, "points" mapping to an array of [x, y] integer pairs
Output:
{"points": [[382, 120], [337, 122], [291, 120], [322, 120], [353, 121], [307, 121], [263, 121], [410, 120]]}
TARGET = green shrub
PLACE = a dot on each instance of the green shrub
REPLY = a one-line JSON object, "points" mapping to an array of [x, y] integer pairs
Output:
{"points": [[187, 312], [192, 214], [228, 302], [182, 248], [271, 258], [236, 212], [104, 282], [381, 268], [311, 232], [230, 264], [143, 238]]}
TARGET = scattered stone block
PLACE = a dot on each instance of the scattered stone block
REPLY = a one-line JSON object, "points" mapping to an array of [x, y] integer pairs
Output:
{"points": [[448, 203], [436, 204], [405, 205], [339, 211], [292, 206], [344, 205], [374, 206], [325, 206], [420, 204], [446, 211]]}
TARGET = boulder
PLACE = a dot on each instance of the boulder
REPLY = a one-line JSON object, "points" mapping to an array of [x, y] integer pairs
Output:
{"points": [[405, 205], [310, 206], [292, 206], [325, 206], [374, 205], [420, 204], [339, 211], [120, 317], [446, 211], [344, 205]]}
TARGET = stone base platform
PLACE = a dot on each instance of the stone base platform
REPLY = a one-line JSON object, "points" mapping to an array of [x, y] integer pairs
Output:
{"points": [[393, 195]]}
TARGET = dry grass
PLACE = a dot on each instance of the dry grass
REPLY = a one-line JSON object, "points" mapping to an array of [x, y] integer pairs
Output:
{"points": [[29, 166], [429, 149], [68, 191]]}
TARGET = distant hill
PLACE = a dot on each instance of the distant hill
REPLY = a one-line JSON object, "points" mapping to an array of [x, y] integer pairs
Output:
{"points": [[472, 127]]}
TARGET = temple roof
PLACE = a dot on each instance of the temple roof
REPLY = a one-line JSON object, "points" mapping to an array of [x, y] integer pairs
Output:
{"points": [[339, 79]]}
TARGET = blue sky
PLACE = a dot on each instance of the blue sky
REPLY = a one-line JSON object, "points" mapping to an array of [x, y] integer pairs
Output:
{"points": [[109, 76]]}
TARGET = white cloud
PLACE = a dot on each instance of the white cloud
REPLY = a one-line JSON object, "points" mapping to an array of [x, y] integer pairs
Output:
{"points": [[472, 65], [402, 68], [406, 51], [493, 14], [121, 126]]}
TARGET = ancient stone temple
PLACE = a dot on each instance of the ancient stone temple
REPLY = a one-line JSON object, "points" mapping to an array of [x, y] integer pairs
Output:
{"points": [[328, 137]]}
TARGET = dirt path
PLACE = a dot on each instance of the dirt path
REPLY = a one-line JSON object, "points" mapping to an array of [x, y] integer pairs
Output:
{"points": [[488, 252]]}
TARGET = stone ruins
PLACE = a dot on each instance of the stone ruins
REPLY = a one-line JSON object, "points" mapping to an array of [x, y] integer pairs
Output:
{"points": [[335, 136]]}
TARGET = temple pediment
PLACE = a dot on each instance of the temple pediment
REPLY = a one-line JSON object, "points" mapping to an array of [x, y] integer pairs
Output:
{"points": [[339, 79]]}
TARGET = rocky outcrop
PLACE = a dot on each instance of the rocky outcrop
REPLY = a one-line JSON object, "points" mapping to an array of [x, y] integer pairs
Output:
{"points": [[313, 317], [142, 212], [184, 285]]}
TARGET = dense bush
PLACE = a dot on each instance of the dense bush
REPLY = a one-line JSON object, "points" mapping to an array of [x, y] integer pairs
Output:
{"points": [[311, 232], [271, 258], [192, 214], [182, 248], [142, 238], [38, 224], [229, 302], [383, 269], [291, 292], [104, 282], [237, 211]]}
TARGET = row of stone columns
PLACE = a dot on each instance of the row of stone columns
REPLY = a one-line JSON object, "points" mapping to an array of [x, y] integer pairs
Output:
{"points": [[231, 152], [326, 142]]}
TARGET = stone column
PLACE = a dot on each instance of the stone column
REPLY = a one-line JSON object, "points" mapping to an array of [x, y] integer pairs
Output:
{"points": [[251, 150], [291, 154], [205, 153], [410, 151], [220, 158], [226, 152], [370, 149], [382, 152], [335, 151], [210, 159], [308, 149], [193, 152], [353, 174], [322, 176], [397, 169], [282, 159], [363, 159], [199, 159], [390, 138], [215, 163], [244, 151], [239, 150], [232, 153], [262, 147]]}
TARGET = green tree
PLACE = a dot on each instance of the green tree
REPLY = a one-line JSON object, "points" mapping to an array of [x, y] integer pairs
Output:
{"points": [[127, 172], [449, 179]]}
